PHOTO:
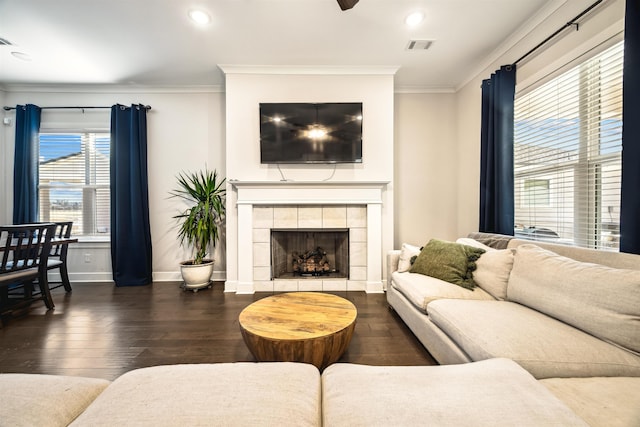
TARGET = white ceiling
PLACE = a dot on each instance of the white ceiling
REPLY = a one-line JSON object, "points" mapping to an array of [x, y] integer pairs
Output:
{"points": [[154, 43]]}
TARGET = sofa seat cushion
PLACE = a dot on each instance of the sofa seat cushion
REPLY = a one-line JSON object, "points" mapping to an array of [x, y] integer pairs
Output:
{"points": [[421, 289], [250, 394], [45, 400], [541, 344], [494, 392], [600, 401], [602, 301]]}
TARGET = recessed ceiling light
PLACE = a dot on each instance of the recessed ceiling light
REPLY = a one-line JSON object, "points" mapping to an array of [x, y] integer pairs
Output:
{"points": [[414, 19], [200, 17], [22, 56]]}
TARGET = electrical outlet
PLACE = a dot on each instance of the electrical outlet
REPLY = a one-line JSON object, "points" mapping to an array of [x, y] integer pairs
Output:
{"points": [[87, 258]]}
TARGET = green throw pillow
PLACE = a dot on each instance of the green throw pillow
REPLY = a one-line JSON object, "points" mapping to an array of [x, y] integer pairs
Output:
{"points": [[448, 261]]}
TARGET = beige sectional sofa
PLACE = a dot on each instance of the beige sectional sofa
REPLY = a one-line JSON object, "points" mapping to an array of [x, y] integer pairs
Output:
{"points": [[569, 316], [544, 340], [496, 392]]}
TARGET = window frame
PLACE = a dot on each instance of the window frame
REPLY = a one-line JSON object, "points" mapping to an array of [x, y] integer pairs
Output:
{"points": [[88, 189], [586, 168]]}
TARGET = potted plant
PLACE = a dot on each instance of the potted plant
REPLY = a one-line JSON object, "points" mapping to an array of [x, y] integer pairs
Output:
{"points": [[199, 223]]}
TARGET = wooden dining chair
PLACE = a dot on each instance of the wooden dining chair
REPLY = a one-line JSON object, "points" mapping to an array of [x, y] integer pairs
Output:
{"points": [[24, 251], [58, 256]]}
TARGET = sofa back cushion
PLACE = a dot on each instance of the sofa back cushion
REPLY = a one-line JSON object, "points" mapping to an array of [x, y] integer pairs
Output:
{"points": [[602, 301], [606, 258], [207, 394]]}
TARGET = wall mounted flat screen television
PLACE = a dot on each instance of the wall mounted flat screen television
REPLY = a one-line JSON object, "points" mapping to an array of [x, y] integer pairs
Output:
{"points": [[311, 132]]}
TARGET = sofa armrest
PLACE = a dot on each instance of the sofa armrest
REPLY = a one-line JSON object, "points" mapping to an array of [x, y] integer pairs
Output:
{"points": [[393, 258]]}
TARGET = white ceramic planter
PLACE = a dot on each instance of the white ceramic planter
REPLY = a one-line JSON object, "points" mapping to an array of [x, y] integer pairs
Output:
{"points": [[196, 276]]}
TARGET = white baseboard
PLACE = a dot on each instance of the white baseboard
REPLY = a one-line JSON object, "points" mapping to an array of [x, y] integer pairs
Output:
{"points": [[159, 276], [100, 277]]}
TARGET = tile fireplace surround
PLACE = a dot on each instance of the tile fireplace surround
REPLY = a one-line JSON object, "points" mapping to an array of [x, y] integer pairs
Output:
{"points": [[265, 205]]}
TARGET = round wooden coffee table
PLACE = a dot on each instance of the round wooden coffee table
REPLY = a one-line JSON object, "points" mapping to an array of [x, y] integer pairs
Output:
{"points": [[310, 327]]}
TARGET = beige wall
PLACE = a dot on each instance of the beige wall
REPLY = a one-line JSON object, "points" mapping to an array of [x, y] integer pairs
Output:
{"points": [[426, 168], [245, 91], [185, 133], [247, 87], [468, 134]]}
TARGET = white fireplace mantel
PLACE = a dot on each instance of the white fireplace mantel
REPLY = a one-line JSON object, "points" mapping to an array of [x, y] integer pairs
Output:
{"points": [[308, 192], [245, 195]]}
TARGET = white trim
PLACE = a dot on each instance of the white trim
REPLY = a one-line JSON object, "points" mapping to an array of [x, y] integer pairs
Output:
{"points": [[99, 277], [91, 242], [602, 41], [424, 89], [112, 89], [308, 192], [309, 69]]}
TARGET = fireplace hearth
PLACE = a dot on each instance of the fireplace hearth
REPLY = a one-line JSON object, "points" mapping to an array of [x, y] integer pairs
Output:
{"points": [[297, 253]]}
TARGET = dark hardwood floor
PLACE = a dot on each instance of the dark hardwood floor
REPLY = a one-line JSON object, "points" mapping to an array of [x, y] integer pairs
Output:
{"points": [[102, 331]]}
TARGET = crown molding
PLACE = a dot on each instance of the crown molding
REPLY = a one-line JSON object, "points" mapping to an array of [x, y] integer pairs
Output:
{"points": [[108, 88], [309, 69], [424, 89]]}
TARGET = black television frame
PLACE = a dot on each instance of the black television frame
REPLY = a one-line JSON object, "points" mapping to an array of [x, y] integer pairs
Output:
{"points": [[286, 132]]}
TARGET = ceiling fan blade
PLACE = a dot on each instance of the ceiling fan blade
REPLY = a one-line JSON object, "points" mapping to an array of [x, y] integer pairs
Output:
{"points": [[347, 4]]}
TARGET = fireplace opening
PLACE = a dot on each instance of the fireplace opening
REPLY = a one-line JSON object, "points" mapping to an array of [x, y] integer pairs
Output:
{"points": [[312, 253]]}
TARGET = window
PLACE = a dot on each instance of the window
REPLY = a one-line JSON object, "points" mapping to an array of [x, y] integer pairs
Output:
{"points": [[567, 155], [74, 181], [536, 192]]}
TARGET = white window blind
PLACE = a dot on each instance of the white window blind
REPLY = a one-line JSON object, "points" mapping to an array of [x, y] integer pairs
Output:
{"points": [[74, 181], [567, 155]]}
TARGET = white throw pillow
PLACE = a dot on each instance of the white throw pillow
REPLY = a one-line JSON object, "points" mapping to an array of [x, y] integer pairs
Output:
{"points": [[492, 268], [408, 251], [472, 242]]}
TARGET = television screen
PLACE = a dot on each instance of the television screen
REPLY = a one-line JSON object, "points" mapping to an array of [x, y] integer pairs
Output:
{"points": [[311, 132]]}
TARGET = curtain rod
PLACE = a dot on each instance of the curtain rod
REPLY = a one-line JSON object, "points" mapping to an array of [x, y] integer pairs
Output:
{"points": [[571, 23], [147, 107]]}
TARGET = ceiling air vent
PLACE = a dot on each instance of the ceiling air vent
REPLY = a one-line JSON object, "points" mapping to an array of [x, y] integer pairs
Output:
{"points": [[5, 42], [419, 44]]}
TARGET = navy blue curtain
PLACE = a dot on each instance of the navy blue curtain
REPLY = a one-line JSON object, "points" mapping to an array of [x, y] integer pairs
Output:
{"points": [[630, 194], [130, 229], [25, 164], [496, 155]]}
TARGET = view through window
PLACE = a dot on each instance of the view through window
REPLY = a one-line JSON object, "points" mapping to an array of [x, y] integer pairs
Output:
{"points": [[567, 155], [74, 181]]}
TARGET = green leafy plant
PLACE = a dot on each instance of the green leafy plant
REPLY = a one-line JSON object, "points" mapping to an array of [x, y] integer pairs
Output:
{"points": [[199, 224]]}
